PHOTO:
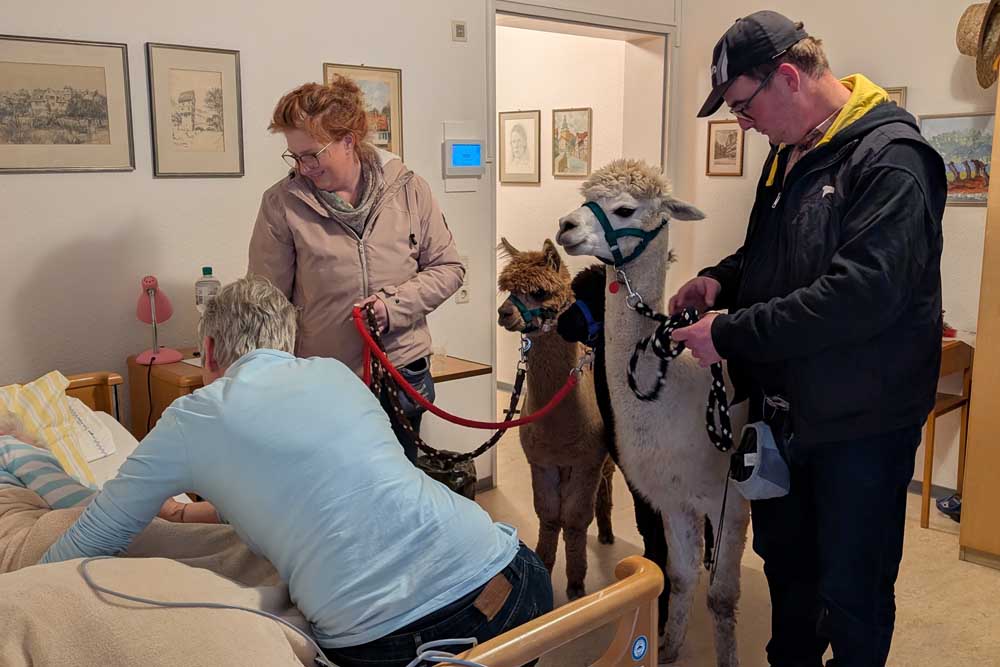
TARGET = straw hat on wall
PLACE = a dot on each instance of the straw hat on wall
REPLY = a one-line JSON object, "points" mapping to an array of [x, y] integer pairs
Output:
{"points": [[978, 35]]}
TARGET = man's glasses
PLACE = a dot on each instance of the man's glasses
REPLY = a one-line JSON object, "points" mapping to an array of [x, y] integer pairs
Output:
{"points": [[740, 108], [308, 161]]}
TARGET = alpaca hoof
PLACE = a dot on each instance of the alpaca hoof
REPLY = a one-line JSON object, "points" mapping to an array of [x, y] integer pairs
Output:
{"points": [[575, 592], [606, 538]]}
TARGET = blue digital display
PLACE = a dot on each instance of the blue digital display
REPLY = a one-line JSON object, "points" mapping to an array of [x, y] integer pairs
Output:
{"points": [[467, 155]]}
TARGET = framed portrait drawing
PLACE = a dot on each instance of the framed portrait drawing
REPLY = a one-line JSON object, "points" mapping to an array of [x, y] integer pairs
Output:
{"points": [[571, 141], [520, 140], [725, 149], [965, 141], [897, 95], [196, 111], [383, 91], [64, 106]]}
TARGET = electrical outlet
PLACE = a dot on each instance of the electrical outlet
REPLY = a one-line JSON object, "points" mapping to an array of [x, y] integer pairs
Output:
{"points": [[459, 31], [462, 295]]}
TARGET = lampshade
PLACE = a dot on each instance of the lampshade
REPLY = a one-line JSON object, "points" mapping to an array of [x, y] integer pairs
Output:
{"points": [[153, 307]]}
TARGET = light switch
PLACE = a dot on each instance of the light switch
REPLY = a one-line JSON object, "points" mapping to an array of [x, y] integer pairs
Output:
{"points": [[458, 31]]}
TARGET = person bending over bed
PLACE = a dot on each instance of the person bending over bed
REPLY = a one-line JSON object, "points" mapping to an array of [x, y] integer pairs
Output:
{"points": [[300, 458]]}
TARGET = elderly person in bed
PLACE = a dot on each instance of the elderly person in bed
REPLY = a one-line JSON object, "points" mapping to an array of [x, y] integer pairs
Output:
{"points": [[300, 458]]}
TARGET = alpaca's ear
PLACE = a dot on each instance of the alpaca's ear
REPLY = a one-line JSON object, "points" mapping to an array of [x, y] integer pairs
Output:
{"points": [[679, 210], [505, 248], [552, 257]]}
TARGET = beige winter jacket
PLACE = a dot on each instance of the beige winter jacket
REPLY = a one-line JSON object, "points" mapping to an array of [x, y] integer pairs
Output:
{"points": [[324, 268]]}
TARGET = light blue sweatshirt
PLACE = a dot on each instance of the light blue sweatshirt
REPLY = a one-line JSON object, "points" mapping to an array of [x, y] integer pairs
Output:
{"points": [[300, 458]]}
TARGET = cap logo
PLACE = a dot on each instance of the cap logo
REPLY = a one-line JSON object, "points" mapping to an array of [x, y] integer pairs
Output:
{"points": [[720, 71]]}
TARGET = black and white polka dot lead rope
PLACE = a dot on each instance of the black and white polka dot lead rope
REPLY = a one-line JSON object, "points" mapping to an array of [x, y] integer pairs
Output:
{"points": [[717, 419]]}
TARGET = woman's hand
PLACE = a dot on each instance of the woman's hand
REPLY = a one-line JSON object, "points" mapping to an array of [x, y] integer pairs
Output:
{"points": [[381, 312], [172, 511]]}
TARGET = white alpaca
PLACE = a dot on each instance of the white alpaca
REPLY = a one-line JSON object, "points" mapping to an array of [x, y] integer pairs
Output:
{"points": [[665, 451]]}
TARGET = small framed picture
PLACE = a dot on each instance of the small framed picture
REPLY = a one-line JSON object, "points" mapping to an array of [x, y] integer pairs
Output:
{"points": [[64, 106], [196, 111], [897, 95], [519, 146], [571, 141], [725, 149], [383, 91], [965, 142]]}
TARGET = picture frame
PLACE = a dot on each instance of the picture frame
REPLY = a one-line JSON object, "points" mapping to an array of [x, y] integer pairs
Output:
{"points": [[65, 106], [724, 151], [572, 140], [196, 111], [520, 146], [965, 142], [383, 91], [897, 95]]}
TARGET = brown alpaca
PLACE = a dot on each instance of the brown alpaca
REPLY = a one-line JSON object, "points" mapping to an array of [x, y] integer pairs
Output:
{"points": [[566, 450]]}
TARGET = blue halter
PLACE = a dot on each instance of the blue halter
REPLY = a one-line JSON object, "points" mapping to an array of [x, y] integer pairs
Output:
{"points": [[529, 314], [611, 235], [594, 327]]}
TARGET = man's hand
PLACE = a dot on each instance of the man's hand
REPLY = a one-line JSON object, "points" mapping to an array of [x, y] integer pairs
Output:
{"points": [[698, 338], [698, 293], [381, 312]]}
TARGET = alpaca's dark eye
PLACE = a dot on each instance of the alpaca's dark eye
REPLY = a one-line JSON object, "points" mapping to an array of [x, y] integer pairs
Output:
{"points": [[539, 295], [624, 212]]}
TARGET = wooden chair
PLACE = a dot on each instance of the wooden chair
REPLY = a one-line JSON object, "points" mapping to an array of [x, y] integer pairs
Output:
{"points": [[956, 356]]}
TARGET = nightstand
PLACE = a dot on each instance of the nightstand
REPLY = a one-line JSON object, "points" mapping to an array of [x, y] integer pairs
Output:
{"points": [[165, 382]]}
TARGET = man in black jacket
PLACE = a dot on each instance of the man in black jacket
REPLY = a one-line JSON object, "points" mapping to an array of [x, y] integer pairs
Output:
{"points": [[833, 330]]}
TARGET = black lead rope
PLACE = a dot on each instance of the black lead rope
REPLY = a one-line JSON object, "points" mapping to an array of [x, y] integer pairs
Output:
{"points": [[717, 421]]}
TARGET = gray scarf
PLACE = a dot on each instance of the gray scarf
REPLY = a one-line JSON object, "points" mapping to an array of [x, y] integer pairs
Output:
{"points": [[372, 189]]}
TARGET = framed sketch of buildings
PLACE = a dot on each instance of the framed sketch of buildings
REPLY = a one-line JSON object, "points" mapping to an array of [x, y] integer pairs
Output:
{"points": [[571, 141], [725, 149], [520, 139], [965, 141], [196, 111], [64, 106], [383, 91]]}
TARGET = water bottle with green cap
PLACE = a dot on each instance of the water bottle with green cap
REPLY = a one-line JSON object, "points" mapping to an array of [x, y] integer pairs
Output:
{"points": [[205, 288]]}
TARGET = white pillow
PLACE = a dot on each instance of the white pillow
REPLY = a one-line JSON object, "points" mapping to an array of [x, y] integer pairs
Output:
{"points": [[124, 444], [94, 437]]}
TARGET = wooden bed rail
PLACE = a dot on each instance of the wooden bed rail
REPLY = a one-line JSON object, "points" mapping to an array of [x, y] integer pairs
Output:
{"points": [[631, 602], [99, 390]]}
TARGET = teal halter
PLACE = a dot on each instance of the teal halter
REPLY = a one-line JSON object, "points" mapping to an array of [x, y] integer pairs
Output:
{"points": [[529, 314], [611, 235]]}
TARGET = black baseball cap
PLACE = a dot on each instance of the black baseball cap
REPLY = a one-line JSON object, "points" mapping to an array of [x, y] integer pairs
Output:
{"points": [[751, 41]]}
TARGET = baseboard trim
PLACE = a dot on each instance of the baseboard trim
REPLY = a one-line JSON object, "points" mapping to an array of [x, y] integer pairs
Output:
{"points": [[977, 557], [505, 386], [917, 488]]}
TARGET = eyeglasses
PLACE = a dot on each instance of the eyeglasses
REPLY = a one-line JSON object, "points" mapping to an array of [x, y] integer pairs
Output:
{"points": [[307, 161], [740, 109]]}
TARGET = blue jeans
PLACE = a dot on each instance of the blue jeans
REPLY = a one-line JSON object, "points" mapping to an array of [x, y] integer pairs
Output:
{"points": [[418, 374], [832, 547], [530, 597]]}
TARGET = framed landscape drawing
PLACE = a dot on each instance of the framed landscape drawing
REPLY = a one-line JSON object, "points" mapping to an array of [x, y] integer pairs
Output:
{"points": [[196, 111], [965, 141], [520, 140], [725, 149], [64, 106], [383, 91], [897, 95], [571, 141]]}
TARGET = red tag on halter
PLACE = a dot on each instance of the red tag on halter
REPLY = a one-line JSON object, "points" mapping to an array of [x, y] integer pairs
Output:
{"points": [[613, 287]]}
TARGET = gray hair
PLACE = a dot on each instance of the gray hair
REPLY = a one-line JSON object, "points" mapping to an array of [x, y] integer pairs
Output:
{"points": [[11, 424], [246, 315]]}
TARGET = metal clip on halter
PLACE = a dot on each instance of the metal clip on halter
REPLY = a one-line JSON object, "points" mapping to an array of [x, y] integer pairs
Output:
{"points": [[633, 298], [586, 361], [525, 348]]}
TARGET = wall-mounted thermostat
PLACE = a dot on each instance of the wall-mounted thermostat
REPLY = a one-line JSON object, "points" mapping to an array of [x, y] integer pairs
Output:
{"points": [[463, 157]]}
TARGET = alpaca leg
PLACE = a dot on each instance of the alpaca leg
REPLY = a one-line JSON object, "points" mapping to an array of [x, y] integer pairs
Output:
{"points": [[605, 533], [685, 537], [578, 489], [724, 591], [545, 490]]}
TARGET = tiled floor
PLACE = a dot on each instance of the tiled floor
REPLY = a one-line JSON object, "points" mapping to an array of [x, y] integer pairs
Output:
{"points": [[948, 610]]}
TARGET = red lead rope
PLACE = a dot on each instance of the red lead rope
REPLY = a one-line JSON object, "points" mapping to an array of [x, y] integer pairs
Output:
{"points": [[371, 348]]}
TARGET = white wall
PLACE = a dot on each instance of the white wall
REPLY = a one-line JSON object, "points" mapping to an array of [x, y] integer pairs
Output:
{"points": [[544, 70], [916, 49], [605, 11], [76, 245]]}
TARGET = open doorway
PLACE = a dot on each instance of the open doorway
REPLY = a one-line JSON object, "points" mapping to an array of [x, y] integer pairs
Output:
{"points": [[570, 98]]}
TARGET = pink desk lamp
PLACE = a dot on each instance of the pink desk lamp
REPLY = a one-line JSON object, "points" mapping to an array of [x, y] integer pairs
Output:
{"points": [[154, 307]]}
